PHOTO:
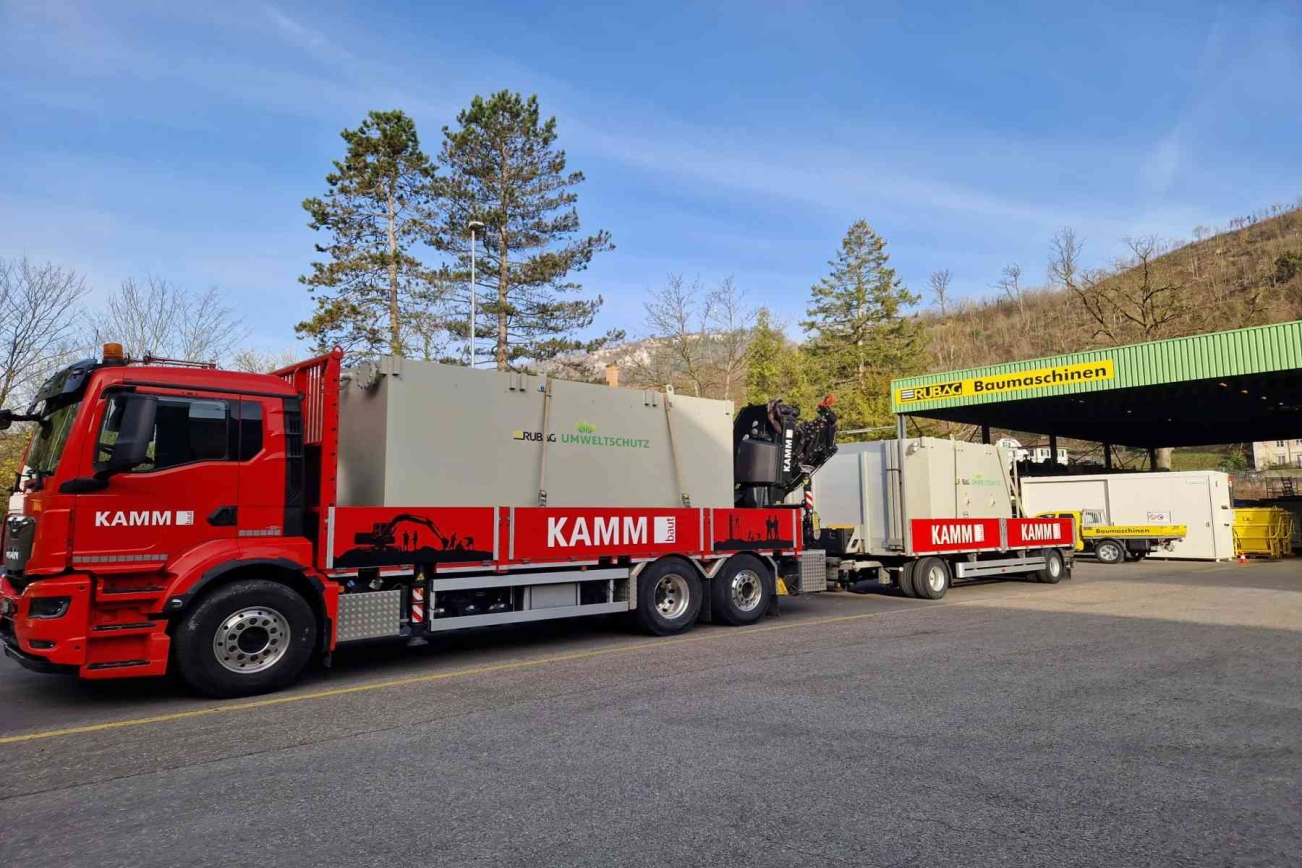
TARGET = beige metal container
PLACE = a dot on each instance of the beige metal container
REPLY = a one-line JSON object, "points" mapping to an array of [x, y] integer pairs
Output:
{"points": [[421, 434], [860, 487]]}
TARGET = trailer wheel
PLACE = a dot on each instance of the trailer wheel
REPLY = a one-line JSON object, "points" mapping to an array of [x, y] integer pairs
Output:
{"points": [[741, 591], [906, 579], [1054, 567], [1109, 551], [668, 597], [249, 637], [931, 578]]}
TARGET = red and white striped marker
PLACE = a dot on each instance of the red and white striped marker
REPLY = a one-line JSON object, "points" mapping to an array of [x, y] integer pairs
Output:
{"points": [[809, 499], [417, 605]]}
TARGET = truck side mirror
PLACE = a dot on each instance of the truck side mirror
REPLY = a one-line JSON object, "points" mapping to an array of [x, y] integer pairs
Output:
{"points": [[135, 427], [6, 419]]}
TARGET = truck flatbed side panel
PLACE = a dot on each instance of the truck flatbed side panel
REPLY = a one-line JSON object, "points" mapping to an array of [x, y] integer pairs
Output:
{"points": [[736, 530], [1136, 531], [561, 533], [364, 537], [932, 535], [1042, 532], [380, 536]]}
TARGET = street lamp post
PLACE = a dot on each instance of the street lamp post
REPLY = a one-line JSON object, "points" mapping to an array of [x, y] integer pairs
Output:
{"points": [[470, 342]]}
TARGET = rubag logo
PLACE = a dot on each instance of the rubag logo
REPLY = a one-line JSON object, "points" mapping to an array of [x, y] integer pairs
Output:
{"points": [[928, 393], [143, 518], [609, 531]]}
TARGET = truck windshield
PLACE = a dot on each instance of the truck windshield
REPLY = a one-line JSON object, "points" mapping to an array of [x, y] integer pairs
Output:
{"points": [[50, 438]]}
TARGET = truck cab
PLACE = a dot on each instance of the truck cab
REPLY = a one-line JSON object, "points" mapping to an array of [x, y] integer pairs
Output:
{"points": [[141, 483]]}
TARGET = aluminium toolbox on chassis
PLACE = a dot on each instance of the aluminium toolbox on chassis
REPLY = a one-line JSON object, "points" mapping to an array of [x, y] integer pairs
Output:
{"points": [[884, 505]]}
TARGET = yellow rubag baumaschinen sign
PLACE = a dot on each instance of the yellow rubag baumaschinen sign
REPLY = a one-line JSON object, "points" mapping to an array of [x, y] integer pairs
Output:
{"points": [[1039, 378]]}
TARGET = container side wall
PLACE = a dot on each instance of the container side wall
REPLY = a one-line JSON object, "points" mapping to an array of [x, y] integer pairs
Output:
{"points": [[363, 434]]}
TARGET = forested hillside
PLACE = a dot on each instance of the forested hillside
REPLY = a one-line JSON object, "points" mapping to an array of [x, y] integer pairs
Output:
{"points": [[1250, 274]]}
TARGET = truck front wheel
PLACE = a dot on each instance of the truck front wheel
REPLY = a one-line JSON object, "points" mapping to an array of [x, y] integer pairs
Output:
{"points": [[1109, 551], [741, 591], [668, 597], [249, 637]]}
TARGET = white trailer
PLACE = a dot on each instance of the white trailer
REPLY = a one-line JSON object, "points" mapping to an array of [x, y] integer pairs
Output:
{"points": [[1200, 499]]}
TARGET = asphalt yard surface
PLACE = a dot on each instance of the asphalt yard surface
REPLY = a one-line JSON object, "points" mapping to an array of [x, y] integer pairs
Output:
{"points": [[1148, 714]]}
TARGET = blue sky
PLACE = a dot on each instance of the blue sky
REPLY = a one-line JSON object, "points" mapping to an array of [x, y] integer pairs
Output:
{"points": [[735, 138]]}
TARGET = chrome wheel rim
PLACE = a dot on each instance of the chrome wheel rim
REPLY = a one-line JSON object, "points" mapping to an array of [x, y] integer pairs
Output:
{"points": [[671, 596], [1109, 553], [746, 590], [1055, 566], [251, 640], [936, 578]]}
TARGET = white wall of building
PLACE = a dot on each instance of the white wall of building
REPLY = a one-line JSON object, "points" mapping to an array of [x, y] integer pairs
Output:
{"points": [[1276, 453]]}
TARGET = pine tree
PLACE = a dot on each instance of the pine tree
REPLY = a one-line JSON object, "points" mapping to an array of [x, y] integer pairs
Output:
{"points": [[765, 356], [505, 171], [859, 335], [375, 291], [777, 369]]}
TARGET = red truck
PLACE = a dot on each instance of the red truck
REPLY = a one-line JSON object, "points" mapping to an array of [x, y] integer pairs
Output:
{"points": [[234, 526], [188, 518]]}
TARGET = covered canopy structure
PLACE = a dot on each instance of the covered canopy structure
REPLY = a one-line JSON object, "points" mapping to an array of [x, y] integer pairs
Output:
{"points": [[1223, 387]]}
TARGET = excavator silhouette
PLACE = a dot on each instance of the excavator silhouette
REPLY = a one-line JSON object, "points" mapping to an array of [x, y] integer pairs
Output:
{"points": [[399, 541], [383, 535]]}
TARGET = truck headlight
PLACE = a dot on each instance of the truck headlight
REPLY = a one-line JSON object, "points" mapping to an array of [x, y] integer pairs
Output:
{"points": [[48, 607]]}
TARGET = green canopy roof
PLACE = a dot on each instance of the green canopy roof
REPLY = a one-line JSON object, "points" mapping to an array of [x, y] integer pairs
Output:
{"points": [[1223, 387]]}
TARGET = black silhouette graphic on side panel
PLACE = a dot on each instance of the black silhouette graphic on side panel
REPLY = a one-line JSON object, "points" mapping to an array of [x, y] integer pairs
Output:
{"points": [[386, 545], [736, 543]]}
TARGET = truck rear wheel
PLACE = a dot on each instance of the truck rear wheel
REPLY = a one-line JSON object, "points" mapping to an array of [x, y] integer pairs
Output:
{"points": [[1109, 551], [1054, 567], [249, 637], [906, 579], [931, 578], [741, 591], [668, 596]]}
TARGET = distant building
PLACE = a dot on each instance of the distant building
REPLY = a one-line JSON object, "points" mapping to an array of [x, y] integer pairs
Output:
{"points": [[1276, 453], [1014, 448], [1043, 455]]}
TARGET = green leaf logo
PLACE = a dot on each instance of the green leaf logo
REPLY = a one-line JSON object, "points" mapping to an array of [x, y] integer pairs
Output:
{"points": [[585, 427]]}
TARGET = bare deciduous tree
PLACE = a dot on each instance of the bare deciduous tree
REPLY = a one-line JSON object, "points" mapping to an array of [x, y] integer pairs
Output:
{"points": [[38, 316], [162, 319], [1139, 298], [938, 283], [730, 330], [698, 339], [253, 361], [1010, 284]]}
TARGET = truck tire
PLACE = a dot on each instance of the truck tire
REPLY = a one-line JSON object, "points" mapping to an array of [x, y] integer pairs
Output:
{"points": [[906, 579], [1109, 551], [668, 597], [1054, 568], [741, 590], [931, 578], [249, 637]]}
